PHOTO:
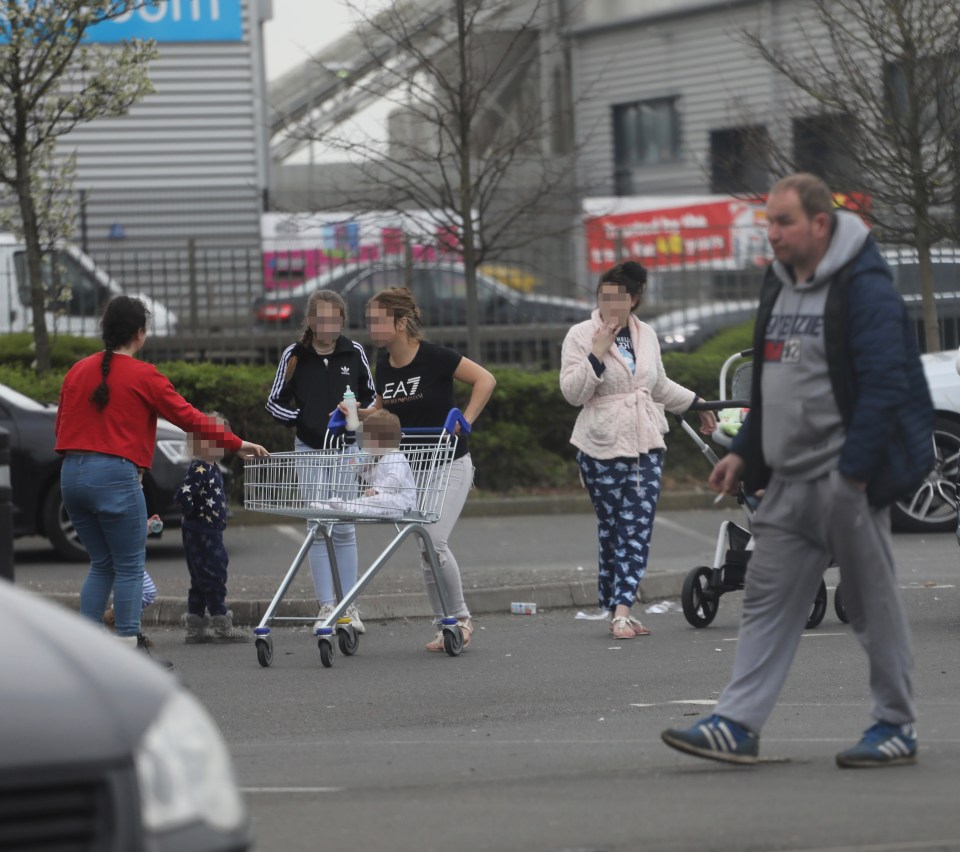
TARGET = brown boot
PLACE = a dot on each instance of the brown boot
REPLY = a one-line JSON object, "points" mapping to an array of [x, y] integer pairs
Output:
{"points": [[109, 619]]}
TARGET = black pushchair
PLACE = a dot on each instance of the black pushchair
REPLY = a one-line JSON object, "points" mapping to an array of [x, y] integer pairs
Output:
{"points": [[705, 585]]}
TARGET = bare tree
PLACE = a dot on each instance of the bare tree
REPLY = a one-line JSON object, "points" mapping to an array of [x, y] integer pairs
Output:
{"points": [[878, 83], [51, 82], [479, 149]]}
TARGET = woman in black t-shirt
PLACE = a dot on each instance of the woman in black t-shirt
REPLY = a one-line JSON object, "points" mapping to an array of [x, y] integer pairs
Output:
{"points": [[414, 380]]}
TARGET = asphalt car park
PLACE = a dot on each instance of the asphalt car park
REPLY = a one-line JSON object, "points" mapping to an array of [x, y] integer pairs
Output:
{"points": [[35, 473]]}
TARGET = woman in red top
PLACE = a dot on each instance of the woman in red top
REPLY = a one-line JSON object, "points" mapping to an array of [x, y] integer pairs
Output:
{"points": [[106, 429]]}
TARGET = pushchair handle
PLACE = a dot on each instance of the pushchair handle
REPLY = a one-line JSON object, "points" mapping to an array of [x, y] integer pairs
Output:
{"points": [[718, 404]]}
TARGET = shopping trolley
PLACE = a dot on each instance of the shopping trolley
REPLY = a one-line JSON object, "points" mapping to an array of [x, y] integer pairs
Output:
{"points": [[327, 487], [705, 585]]}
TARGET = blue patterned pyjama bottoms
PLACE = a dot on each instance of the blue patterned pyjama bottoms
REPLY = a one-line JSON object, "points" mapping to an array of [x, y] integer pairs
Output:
{"points": [[624, 494]]}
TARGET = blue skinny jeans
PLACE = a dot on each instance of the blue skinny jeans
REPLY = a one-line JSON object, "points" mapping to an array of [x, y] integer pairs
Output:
{"points": [[105, 502]]}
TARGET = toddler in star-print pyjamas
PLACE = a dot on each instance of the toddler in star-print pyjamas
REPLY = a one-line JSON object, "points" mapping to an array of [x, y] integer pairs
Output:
{"points": [[204, 506]]}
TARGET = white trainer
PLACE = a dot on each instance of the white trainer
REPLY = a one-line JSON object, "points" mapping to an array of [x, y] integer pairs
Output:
{"points": [[325, 612], [355, 619]]}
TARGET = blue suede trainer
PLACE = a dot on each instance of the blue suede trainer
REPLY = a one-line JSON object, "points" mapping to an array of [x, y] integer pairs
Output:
{"points": [[882, 744], [715, 738]]}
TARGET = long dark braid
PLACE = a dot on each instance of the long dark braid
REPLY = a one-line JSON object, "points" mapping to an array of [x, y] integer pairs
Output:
{"points": [[123, 317]]}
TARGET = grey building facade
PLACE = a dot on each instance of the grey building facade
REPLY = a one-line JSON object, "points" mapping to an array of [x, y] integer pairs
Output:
{"points": [[670, 101], [191, 160]]}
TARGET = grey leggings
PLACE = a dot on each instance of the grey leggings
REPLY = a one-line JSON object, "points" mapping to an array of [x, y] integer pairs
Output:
{"points": [[461, 480]]}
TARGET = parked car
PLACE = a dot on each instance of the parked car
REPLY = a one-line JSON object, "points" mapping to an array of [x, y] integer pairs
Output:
{"points": [[933, 507], [102, 750], [35, 473], [439, 288], [77, 290], [686, 329]]}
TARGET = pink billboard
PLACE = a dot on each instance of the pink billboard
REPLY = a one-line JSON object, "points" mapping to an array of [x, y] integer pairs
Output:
{"points": [[300, 246]]}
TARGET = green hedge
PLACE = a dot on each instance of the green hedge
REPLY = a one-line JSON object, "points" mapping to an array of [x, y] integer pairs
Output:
{"points": [[18, 349], [521, 443]]}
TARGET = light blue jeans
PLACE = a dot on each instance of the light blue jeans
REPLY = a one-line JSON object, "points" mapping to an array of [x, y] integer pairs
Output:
{"points": [[103, 497], [313, 481]]}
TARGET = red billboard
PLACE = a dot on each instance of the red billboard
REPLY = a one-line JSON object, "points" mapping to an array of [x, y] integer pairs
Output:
{"points": [[677, 232]]}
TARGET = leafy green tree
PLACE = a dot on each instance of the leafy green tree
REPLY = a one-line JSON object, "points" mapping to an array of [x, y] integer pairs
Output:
{"points": [[51, 81]]}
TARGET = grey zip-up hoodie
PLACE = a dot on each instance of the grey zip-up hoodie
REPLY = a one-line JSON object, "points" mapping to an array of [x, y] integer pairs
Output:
{"points": [[803, 430]]}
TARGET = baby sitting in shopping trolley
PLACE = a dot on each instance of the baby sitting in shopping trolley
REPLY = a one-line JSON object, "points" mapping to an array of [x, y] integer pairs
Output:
{"points": [[385, 482]]}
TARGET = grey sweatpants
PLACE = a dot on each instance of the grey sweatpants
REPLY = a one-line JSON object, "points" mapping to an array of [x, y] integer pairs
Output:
{"points": [[797, 528]]}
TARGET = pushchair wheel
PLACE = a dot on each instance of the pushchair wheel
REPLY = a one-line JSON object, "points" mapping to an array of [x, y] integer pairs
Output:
{"points": [[349, 640], [838, 606], [819, 609], [327, 652], [700, 601]]}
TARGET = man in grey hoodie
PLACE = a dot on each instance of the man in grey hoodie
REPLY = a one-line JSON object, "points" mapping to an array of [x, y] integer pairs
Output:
{"points": [[840, 425]]}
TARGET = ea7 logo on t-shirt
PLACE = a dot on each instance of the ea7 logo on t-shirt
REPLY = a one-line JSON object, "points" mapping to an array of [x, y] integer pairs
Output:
{"points": [[407, 387]]}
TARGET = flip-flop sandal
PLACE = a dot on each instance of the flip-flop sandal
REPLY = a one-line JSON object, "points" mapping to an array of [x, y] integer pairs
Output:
{"points": [[638, 628], [620, 628]]}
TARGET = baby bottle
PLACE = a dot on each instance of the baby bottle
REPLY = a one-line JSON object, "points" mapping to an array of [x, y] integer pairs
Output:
{"points": [[353, 421]]}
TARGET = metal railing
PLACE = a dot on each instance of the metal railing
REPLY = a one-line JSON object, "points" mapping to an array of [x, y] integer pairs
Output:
{"points": [[212, 293]]}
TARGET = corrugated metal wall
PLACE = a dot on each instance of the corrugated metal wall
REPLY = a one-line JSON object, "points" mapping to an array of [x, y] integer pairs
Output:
{"points": [[188, 161]]}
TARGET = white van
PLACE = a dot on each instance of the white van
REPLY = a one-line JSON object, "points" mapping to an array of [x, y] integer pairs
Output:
{"points": [[90, 288]]}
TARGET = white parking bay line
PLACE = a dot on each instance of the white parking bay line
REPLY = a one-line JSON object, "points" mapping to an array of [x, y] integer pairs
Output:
{"points": [[253, 790], [292, 532], [807, 634]]}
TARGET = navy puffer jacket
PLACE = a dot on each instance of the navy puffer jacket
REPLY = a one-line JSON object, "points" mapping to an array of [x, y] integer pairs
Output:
{"points": [[877, 379]]}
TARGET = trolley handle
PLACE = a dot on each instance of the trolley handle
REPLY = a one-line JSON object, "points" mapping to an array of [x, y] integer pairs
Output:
{"points": [[338, 421], [453, 418]]}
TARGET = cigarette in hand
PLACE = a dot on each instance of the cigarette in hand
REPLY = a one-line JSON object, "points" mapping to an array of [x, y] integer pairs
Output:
{"points": [[718, 498]]}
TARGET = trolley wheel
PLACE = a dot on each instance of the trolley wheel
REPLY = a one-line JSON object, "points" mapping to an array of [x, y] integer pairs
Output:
{"points": [[838, 606], [327, 652], [265, 651], [452, 641], [349, 640], [700, 602], [819, 609]]}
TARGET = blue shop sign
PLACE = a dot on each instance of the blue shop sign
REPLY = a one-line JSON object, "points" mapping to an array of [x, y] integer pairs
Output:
{"points": [[174, 21]]}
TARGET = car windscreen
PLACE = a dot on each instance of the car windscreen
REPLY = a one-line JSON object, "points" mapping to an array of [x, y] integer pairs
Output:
{"points": [[72, 289]]}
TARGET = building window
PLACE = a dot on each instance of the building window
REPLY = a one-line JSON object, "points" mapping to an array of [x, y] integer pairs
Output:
{"points": [[739, 158], [822, 145], [931, 85], [645, 133]]}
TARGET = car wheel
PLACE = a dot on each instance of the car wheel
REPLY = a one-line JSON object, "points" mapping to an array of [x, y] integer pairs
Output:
{"points": [[59, 528], [933, 506]]}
